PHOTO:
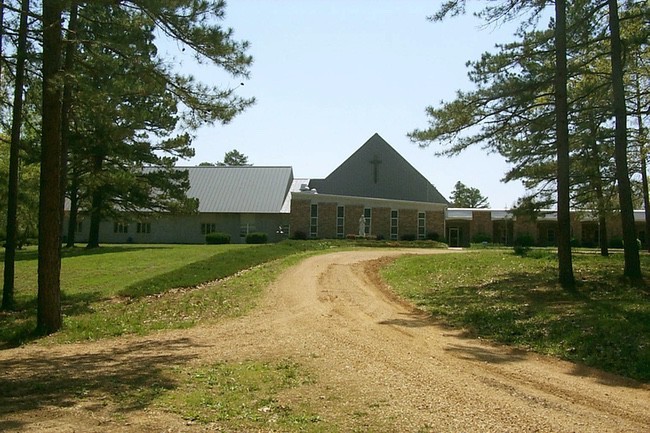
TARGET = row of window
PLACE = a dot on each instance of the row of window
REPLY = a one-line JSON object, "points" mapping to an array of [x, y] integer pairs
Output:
{"points": [[142, 228], [206, 228], [367, 219], [145, 228]]}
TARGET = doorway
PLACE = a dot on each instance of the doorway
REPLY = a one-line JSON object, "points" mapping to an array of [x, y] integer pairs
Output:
{"points": [[454, 237]]}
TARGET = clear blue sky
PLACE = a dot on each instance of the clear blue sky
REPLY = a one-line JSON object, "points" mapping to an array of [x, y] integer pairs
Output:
{"points": [[328, 74]]}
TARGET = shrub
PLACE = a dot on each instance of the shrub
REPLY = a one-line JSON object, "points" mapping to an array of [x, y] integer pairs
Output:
{"points": [[479, 238], [522, 244], [525, 240], [408, 237], [256, 238], [217, 238], [299, 235], [433, 236], [616, 243]]}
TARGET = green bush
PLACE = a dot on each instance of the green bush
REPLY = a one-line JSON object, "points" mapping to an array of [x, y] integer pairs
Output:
{"points": [[433, 236], [525, 240], [217, 238], [256, 238], [522, 244], [479, 238], [408, 237], [299, 235], [616, 243]]}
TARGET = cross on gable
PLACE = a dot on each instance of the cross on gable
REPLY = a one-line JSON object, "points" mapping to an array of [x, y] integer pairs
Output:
{"points": [[375, 165]]}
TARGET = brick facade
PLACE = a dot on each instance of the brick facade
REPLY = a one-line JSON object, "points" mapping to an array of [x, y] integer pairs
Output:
{"points": [[327, 220], [299, 217], [381, 222], [408, 223], [435, 223], [352, 214], [481, 224]]}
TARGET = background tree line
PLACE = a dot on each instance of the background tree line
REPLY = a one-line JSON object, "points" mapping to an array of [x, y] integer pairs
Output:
{"points": [[93, 111], [566, 104]]}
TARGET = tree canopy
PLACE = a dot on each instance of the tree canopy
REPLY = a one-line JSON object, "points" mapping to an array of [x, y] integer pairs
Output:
{"points": [[544, 102], [465, 196], [234, 158], [114, 112]]}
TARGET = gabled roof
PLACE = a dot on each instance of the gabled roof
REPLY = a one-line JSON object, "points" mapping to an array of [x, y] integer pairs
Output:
{"points": [[377, 170], [240, 189]]}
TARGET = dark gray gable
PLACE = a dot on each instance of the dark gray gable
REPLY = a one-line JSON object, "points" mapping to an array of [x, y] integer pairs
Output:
{"points": [[377, 170]]}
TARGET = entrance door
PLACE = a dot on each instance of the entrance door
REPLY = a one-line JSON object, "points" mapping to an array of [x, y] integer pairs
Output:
{"points": [[454, 237]]}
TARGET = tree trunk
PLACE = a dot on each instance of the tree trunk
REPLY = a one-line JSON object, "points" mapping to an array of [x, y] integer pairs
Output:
{"points": [[597, 181], [632, 268], [565, 263], [49, 219], [95, 220], [643, 155], [14, 161], [2, 32], [603, 236], [96, 205], [66, 104], [74, 210], [646, 193]]}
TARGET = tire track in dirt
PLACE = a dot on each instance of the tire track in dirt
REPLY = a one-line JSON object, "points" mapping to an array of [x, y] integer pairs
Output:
{"points": [[378, 365]]}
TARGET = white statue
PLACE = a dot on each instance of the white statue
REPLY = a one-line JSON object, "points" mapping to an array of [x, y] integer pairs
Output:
{"points": [[362, 226]]}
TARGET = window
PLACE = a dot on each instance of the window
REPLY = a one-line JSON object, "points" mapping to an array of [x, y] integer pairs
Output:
{"points": [[313, 224], [143, 228], [120, 228], [550, 236], [207, 228], [367, 214], [340, 221], [422, 225], [394, 224], [245, 229]]}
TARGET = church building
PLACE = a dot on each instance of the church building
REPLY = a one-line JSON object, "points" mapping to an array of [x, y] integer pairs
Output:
{"points": [[377, 184], [375, 193]]}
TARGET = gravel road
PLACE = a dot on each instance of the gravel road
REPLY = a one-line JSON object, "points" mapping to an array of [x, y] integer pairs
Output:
{"points": [[379, 365]]}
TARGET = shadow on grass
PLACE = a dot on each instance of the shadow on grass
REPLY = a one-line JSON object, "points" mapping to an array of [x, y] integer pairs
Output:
{"points": [[213, 268], [603, 324], [130, 376], [18, 327]]}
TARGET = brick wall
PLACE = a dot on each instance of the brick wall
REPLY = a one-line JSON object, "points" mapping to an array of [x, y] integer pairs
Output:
{"points": [[352, 214], [299, 217], [525, 226], [327, 220], [408, 222], [381, 222], [435, 221], [481, 224]]}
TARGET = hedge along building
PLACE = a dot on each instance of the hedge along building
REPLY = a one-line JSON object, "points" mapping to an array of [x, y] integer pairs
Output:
{"points": [[375, 184]]}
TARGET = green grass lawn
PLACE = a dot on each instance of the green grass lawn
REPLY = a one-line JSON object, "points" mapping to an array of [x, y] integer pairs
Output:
{"points": [[135, 289], [516, 300], [108, 291]]}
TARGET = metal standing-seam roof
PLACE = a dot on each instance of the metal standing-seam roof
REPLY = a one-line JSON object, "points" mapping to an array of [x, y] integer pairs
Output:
{"points": [[240, 189]]}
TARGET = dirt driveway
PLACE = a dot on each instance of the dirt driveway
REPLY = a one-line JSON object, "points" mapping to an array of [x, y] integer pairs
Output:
{"points": [[380, 366]]}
